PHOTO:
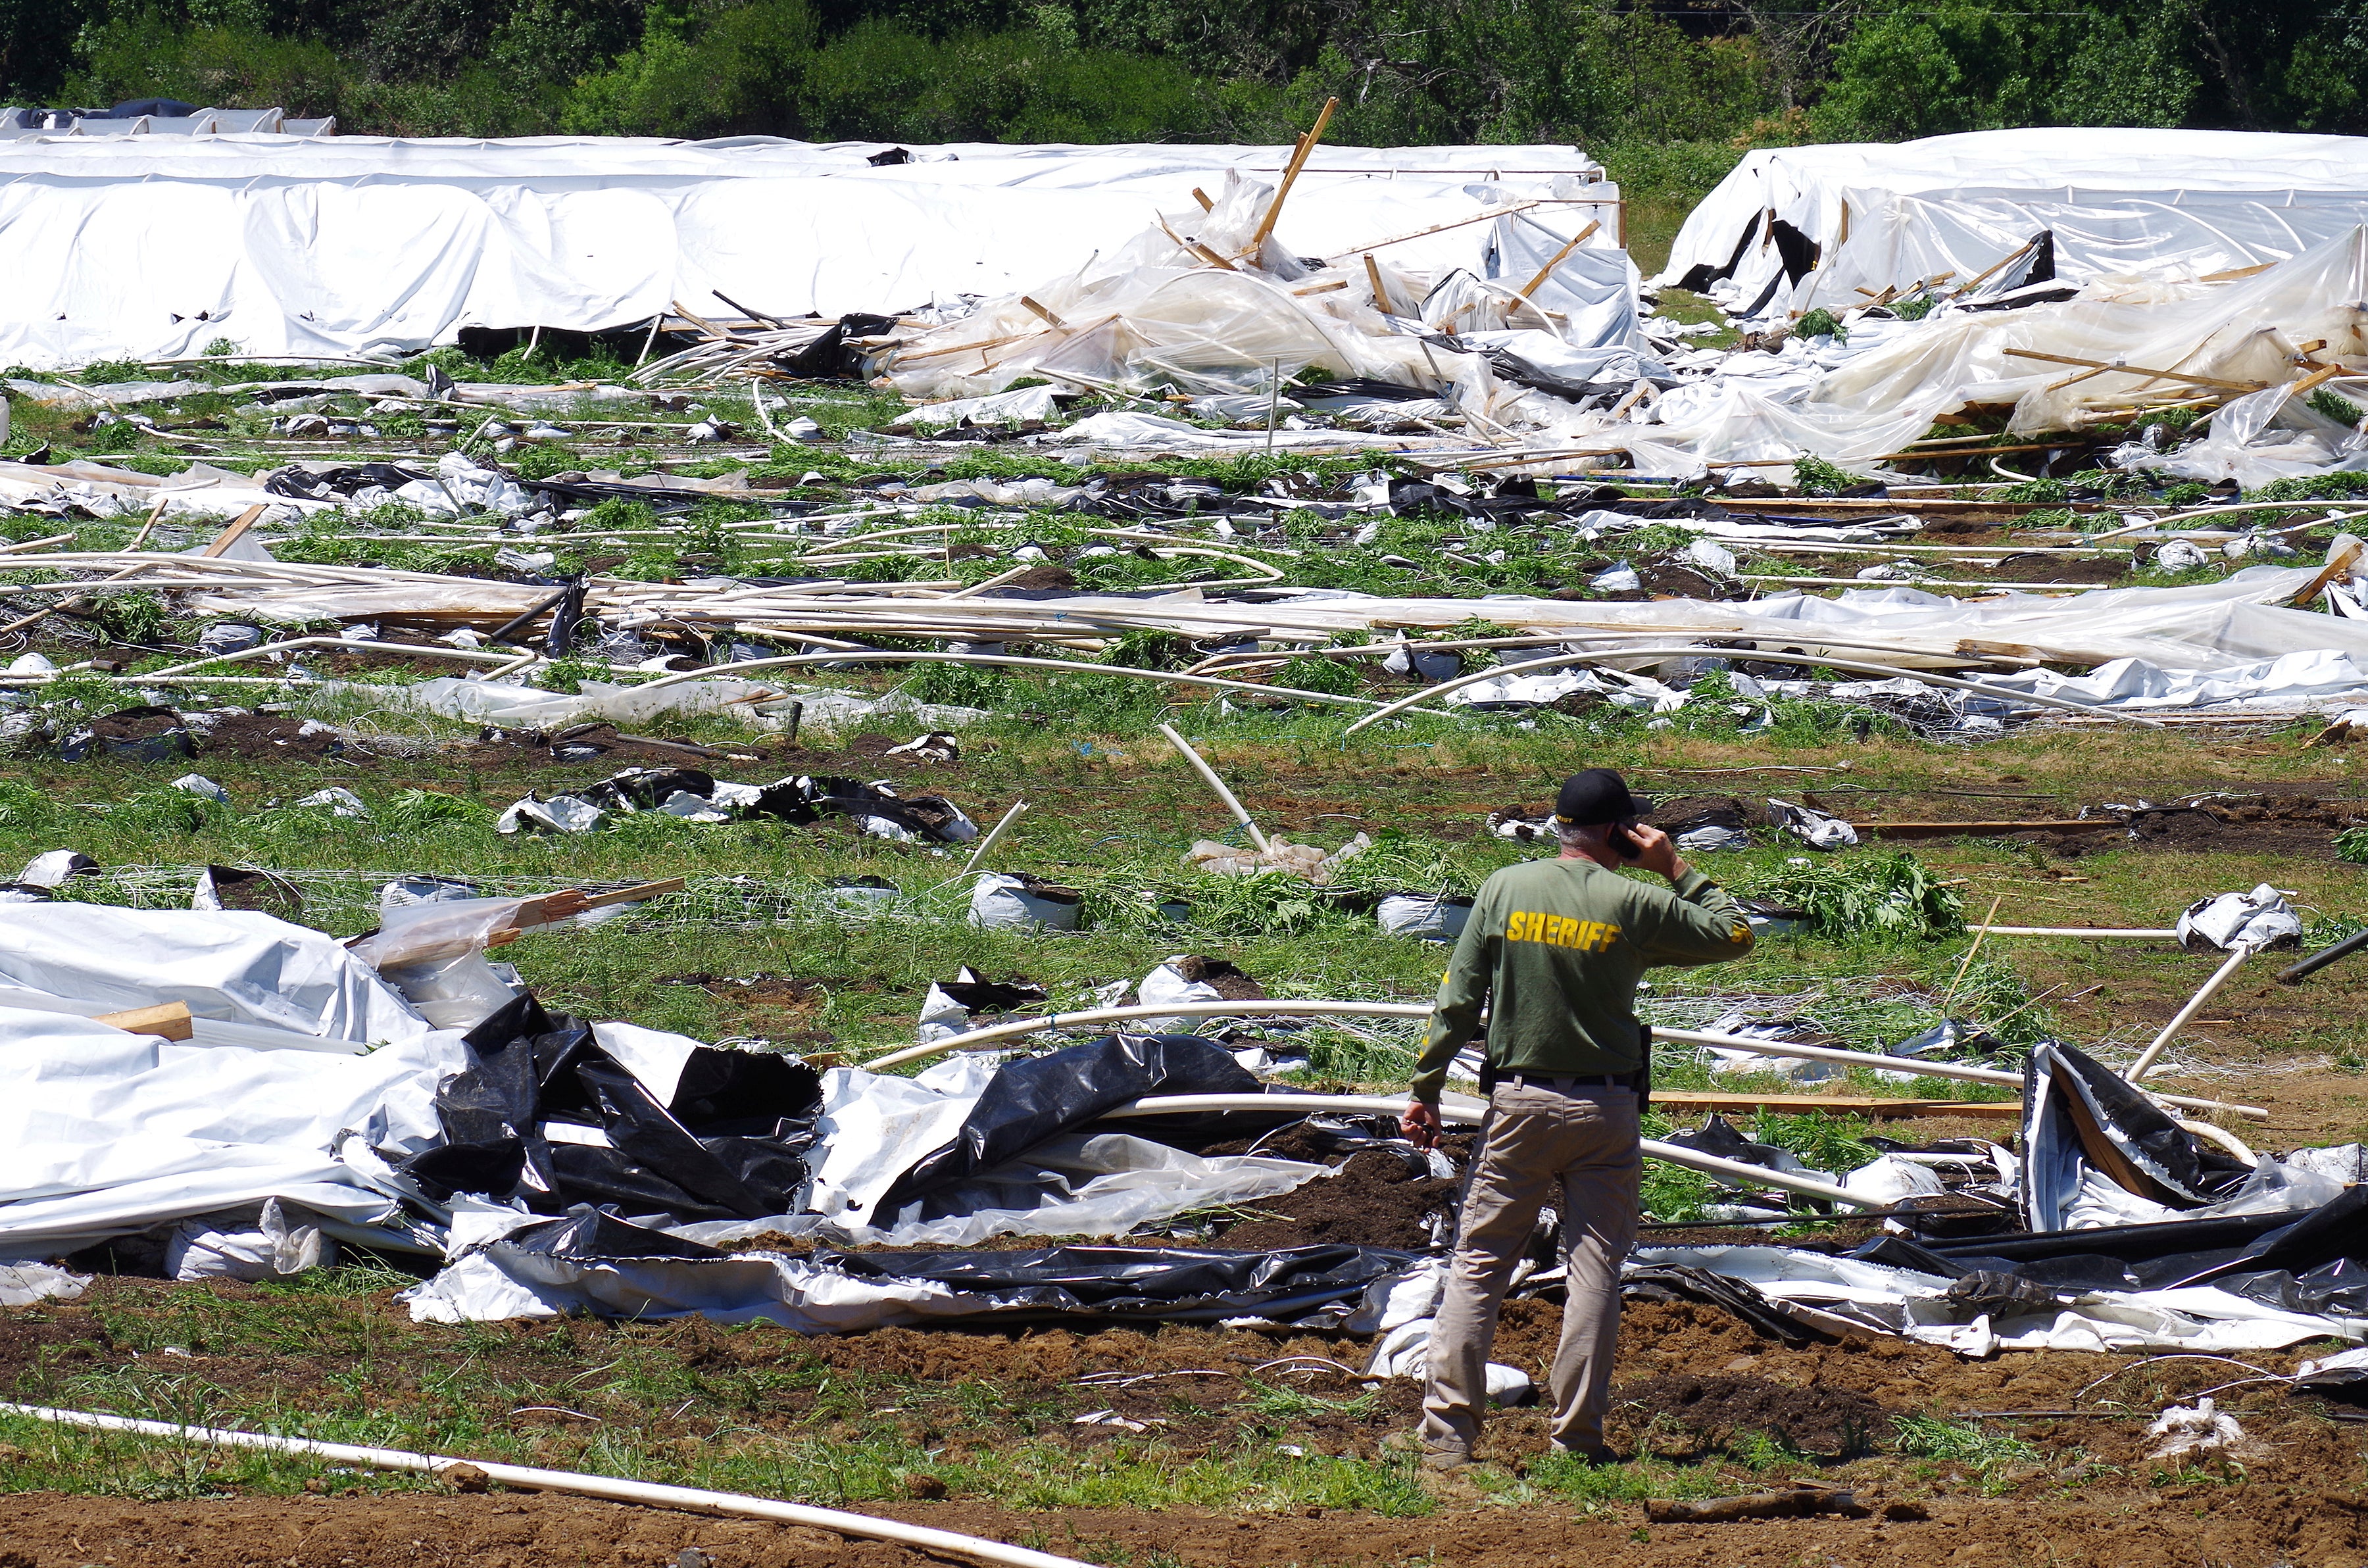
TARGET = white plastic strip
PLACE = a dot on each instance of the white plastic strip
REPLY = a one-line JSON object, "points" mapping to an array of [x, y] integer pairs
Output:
{"points": [[616, 1489]]}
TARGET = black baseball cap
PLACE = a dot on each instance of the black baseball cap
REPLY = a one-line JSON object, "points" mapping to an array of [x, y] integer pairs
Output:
{"points": [[1596, 797]]}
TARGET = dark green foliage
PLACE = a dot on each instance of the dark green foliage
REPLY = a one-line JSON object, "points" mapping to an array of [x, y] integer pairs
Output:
{"points": [[1667, 96], [1816, 476], [1871, 895], [2313, 487], [2342, 410], [1821, 323]]}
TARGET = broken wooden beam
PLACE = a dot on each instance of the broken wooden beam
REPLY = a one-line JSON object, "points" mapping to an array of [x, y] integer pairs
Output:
{"points": [[169, 1020]]}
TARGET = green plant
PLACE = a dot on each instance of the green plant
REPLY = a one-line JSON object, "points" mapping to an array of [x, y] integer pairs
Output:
{"points": [[138, 618], [2043, 491], [2351, 844], [1915, 307], [1987, 1454], [1816, 476], [2340, 409], [1871, 895]]}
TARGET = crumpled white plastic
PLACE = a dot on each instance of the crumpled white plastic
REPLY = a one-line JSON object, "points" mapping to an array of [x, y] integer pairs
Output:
{"points": [[2231, 920]]}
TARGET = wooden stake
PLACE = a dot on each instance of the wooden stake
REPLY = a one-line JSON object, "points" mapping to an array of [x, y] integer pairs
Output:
{"points": [[233, 534], [2141, 371], [1290, 176], [1534, 284], [1049, 317], [1203, 198], [1968, 963], [1374, 276]]}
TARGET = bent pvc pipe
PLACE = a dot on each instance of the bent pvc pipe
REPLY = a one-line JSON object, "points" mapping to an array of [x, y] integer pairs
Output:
{"points": [[992, 1032], [1907, 1064], [616, 1489], [1471, 1111], [1309, 1008], [1857, 666], [1209, 777], [2147, 1058]]}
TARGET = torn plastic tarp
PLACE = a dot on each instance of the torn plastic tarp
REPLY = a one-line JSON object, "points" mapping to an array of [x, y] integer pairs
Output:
{"points": [[232, 965], [1846, 1293], [104, 1133], [2257, 919], [1034, 1098], [548, 1115], [2077, 1116], [586, 1262], [875, 808], [1099, 1184]]}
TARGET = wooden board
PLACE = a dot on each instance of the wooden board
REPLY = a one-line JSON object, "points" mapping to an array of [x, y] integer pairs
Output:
{"points": [[170, 1021], [1836, 1105]]}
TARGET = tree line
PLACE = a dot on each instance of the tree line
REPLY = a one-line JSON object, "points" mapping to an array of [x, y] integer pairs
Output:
{"points": [[1667, 91]]}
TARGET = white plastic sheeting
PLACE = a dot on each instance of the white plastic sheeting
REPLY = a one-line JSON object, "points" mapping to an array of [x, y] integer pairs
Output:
{"points": [[231, 965], [1808, 188], [1903, 1302], [281, 244], [104, 1132], [1195, 301]]}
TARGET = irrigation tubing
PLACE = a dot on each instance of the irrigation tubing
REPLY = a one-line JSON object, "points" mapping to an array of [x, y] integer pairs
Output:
{"points": [[616, 1489]]}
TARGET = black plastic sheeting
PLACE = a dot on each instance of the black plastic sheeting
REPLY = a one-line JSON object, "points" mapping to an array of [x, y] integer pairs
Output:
{"points": [[1677, 1282], [730, 1144], [2314, 1261], [1037, 1099], [2078, 1115], [1161, 1282], [1143, 1282]]}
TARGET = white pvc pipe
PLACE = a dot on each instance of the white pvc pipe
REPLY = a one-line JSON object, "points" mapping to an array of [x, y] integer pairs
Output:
{"points": [[993, 833], [2237, 956], [1471, 1111], [1857, 666], [1903, 1065], [1019, 1027], [1785, 1048], [2098, 933], [1209, 777], [1309, 1008], [616, 1489]]}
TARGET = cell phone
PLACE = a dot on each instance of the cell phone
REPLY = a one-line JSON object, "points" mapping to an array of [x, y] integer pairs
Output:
{"points": [[1623, 842]]}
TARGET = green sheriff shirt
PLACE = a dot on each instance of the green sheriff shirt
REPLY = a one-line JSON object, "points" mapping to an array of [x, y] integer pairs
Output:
{"points": [[1559, 945]]}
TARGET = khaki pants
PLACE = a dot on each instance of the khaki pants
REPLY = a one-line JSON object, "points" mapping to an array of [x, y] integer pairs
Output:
{"points": [[1579, 1145]]}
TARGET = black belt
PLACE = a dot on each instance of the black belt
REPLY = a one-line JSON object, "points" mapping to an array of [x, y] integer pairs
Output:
{"points": [[1573, 1081]]}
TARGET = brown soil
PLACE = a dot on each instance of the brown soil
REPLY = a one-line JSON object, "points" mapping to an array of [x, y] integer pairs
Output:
{"points": [[2273, 824], [1693, 1380], [1221, 976], [2249, 1518], [276, 736], [1688, 1418], [1376, 1200]]}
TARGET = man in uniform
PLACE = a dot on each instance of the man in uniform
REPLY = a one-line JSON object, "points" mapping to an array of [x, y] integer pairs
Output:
{"points": [[1555, 949]]}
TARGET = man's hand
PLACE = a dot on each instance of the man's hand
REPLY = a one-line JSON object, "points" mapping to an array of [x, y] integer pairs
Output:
{"points": [[1656, 852], [1420, 1124]]}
